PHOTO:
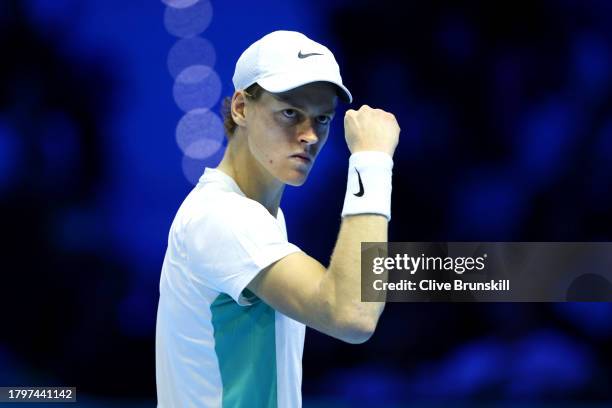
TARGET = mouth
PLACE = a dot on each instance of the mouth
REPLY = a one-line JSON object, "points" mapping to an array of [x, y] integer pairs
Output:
{"points": [[302, 157]]}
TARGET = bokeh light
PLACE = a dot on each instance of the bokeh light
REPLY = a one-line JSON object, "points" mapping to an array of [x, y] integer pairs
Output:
{"points": [[179, 3], [197, 87], [188, 21], [190, 51], [194, 168], [199, 133]]}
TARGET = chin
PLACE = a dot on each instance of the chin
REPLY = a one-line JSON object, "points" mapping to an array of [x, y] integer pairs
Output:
{"points": [[296, 179], [297, 183]]}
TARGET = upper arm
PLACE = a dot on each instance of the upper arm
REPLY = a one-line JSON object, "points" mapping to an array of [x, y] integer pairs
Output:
{"points": [[296, 286], [230, 243], [239, 245]]}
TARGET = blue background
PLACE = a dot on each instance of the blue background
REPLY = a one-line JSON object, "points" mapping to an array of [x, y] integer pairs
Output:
{"points": [[505, 110]]}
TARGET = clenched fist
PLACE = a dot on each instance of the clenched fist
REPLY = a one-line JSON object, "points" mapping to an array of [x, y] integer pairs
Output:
{"points": [[371, 129]]}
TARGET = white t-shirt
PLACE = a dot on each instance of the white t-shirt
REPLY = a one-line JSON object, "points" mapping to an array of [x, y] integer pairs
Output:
{"points": [[216, 343]]}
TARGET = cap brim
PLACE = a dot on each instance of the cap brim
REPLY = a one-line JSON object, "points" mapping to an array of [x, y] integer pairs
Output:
{"points": [[286, 82]]}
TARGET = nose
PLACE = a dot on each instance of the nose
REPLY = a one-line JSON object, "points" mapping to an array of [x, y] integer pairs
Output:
{"points": [[307, 134]]}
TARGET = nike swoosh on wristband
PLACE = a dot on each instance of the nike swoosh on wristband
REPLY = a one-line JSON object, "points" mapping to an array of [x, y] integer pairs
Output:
{"points": [[361, 190], [302, 56]]}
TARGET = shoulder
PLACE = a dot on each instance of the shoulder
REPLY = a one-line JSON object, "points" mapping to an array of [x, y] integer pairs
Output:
{"points": [[225, 215]]}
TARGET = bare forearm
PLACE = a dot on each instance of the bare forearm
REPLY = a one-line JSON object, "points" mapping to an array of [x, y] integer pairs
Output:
{"points": [[343, 277]]}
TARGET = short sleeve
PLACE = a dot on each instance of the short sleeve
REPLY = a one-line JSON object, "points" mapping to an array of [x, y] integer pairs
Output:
{"points": [[229, 245]]}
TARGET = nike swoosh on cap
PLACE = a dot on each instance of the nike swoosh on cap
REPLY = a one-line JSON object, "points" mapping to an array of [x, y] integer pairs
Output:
{"points": [[302, 56], [361, 190]]}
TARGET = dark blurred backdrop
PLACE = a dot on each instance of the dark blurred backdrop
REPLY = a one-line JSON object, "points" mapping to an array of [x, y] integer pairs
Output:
{"points": [[505, 109]]}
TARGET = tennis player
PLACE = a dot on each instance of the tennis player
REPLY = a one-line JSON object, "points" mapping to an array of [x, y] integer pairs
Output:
{"points": [[235, 294]]}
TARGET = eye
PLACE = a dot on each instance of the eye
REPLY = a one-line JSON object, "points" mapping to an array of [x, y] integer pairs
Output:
{"points": [[323, 120], [290, 113]]}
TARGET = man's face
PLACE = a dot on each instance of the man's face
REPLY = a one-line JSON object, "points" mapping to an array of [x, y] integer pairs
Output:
{"points": [[286, 131]]}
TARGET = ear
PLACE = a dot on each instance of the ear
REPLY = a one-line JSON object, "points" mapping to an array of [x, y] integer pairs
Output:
{"points": [[239, 108]]}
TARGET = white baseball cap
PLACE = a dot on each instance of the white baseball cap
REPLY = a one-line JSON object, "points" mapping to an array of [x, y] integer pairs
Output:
{"points": [[284, 60]]}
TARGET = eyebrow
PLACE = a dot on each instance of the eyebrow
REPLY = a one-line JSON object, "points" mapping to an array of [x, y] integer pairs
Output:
{"points": [[289, 101]]}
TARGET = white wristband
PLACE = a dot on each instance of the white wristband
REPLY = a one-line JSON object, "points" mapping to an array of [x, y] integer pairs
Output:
{"points": [[368, 189]]}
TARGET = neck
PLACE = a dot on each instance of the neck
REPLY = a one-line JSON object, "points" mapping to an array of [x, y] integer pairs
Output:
{"points": [[252, 178]]}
